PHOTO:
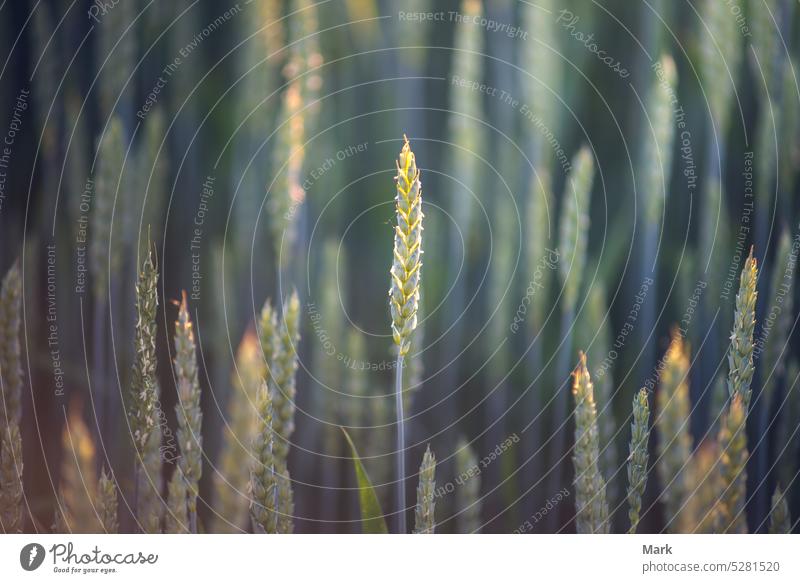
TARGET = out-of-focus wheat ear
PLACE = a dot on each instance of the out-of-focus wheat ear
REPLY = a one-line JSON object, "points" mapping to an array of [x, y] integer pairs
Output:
{"points": [[232, 477], [284, 383], [110, 161], [10, 351], [107, 503], [638, 457], [176, 517], [704, 479], [116, 56], [263, 485], [720, 58], [62, 518], [788, 434], [468, 490], [740, 354], [674, 439], [765, 57], [285, 499], [11, 514], [658, 146], [590, 488], [424, 520], [731, 517], [78, 487], [780, 520], [573, 231], [187, 410], [144, 384]]}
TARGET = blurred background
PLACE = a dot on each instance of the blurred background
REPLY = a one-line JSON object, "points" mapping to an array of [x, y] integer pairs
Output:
{"points": [[594, 175]]}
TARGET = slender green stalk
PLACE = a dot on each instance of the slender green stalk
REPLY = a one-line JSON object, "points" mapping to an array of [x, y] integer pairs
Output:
{"points": [[107, 503], [468, 490], [780, 521], [731, 517], [404, 292], [740, 354], [638, 457], [590, 488], [11, 516], [425, 522], [674, 439], [10, 352], [263, 485], [176, 519], [187, 410]]}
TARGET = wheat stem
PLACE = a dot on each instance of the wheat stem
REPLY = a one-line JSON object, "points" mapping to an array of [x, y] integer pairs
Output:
{"points": [[400, 458]]}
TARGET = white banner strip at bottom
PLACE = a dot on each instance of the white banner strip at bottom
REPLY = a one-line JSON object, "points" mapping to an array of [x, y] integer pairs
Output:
{"points": [[355, 558]]}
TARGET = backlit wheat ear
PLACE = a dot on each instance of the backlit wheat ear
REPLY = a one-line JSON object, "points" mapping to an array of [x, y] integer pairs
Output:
{"points": [[468, 491], [10, 355], [425, 522], [230, 483], [187, 410], [638, 457], [144, 384], [705, 489], [406, 267], [78, 487], [590, 488], [740, 354], [674, 439], [107, 503], [263, 486], [176, 518], [11, 479], [780, 521], [731, 517]]}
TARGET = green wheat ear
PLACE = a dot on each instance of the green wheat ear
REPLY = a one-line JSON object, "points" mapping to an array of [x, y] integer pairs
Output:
{"points": [[187, 410], [263, 486], [674, 439], [573, 231], [740, 355], [468, 494], [107, 503], [425, 523], [638, 457], [176, 519], [733, 470], [405, 271], [590, 488], [780, 521]]}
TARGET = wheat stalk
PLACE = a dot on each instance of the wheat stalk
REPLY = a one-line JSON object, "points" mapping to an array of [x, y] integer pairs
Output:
{"points": [[263, 484], [733, 469], [11, 479], [740, 354], [780, 521], [468, 492], [187, 410], [107, 503], [424, 522], [10, 353], [638, 457], [590, 488], [404, 292], [176, 519], [672, 425]]}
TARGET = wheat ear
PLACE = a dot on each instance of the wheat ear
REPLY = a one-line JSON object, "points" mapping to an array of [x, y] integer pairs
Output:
{"points": [[10, 352], [404, 292], [674, 439], [263, 508], [107, 503], [638, 457], [780, 521], [733, 469], [187, 410], [590, 488], [425, 522], [740, 354], [176, 518], [468, 492], [78, 487]]}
